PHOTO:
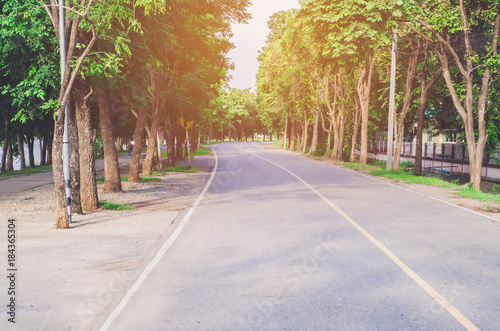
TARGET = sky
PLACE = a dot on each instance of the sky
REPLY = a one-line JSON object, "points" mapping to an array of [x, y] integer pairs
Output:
{"points": [[250, 38]]}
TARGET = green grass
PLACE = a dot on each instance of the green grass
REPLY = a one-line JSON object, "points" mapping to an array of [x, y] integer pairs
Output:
{"points": [[467, 192], [181, 168], [407, 177], [100, 180], [202, 151], [26, 171], [114, 206], [363, 167]]}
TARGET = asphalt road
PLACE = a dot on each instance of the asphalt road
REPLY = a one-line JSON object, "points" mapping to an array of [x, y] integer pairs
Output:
{"points": [[279, 242]]}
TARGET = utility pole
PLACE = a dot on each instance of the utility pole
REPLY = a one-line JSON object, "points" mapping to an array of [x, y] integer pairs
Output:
{"points": [[392, 96], [65, 148]]}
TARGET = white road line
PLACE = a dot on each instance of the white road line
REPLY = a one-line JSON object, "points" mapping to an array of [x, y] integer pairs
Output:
{"points": [[461, 318], [160, 253]]}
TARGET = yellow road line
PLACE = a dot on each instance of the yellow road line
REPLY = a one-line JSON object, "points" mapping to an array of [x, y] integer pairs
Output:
{"points": [[412, 274]]}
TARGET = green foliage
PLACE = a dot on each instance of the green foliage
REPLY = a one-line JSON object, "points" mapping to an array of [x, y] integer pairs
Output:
{"points": [[495, 189], [29, 70], [114, 206], [406, 166]]}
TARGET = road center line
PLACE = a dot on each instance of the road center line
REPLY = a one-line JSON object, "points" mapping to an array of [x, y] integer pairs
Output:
{"points": [[461, 318], [160, 253]]}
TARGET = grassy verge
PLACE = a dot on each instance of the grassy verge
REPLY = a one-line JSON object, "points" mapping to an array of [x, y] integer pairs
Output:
{"points": [[403, 176], [378, 169], [26, 171], [114, 206], [470, 193], [181, 168], [201, 151], [100, 180]]}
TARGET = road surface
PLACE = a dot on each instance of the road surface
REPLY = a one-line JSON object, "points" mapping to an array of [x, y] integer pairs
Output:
{"points": [[279, 242]]}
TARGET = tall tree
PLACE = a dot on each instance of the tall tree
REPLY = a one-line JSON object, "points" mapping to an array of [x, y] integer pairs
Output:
{"points": [[475, 62]]}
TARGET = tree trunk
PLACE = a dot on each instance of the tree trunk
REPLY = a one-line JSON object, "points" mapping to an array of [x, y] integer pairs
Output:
{"points": [[357, 119], [88, 186], [44, 149], [340, 148], [314, 142], [364, 89], [180, 138], [43, 155], [74, 162], [170, 146], [10, 157], [5, 146], [20, 144], [305, 136], [62, 220], [293, 136], [299, 136], [135, 161], [31, 152], [112, 182], [49, 150], [147, 168]]}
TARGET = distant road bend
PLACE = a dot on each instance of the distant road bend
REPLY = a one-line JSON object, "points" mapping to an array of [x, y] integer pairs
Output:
{"points": [[279, 242]]}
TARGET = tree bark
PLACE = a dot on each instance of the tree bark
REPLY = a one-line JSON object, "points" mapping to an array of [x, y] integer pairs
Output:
{"points": [[74, 162], [62, 220], [170, 146], [112, 182], [49, 150], [314, 142], [305, 135], [5, 145], [20, 144], [43, 150], [357, 119], [88, 185], [30, 140], [364, 89], [10, 157], [179, 139], [293, 136], [140, 124], [147, 168]]}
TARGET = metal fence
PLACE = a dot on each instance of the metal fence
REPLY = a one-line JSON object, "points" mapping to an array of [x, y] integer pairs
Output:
{"points": [[449, 158]]}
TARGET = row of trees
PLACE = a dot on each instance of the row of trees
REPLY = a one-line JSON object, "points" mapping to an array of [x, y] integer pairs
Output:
{"points": [[133, 66], [325, 72], [233, 114]]}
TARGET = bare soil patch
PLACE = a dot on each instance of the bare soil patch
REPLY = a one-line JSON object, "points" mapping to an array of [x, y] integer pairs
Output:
{"points": [[174, 191]]}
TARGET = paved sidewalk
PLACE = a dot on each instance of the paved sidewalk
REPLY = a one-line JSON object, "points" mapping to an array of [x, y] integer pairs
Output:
{"points": [[69, 279]]}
